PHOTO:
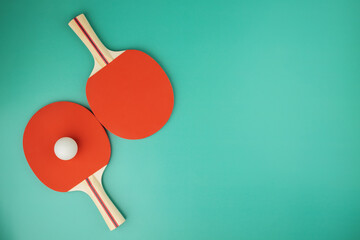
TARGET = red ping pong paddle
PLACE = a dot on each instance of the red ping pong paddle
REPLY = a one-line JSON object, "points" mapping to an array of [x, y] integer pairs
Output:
{"points": [[128, 91], [84, 171]]}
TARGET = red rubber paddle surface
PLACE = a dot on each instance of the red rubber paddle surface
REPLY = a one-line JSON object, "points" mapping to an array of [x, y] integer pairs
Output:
{"points": [[132, 96], [65, 119]]}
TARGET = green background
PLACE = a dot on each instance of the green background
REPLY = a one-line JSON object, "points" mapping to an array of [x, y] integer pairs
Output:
{"points": [[263, 142]]}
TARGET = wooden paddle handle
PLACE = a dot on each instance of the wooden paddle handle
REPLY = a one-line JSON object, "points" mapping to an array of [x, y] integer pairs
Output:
{"points": [[109, 212], [82, 28]]}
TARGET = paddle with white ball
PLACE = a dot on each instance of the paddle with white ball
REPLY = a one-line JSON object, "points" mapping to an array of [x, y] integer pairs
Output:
{"points": [[68, 150]]}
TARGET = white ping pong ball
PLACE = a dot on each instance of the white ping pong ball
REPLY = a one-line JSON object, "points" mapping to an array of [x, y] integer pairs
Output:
{"points": [[65, 148]]}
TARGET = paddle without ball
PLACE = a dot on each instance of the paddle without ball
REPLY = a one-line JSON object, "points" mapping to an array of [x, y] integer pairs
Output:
{"points": [[68, 150], [127, 91]]}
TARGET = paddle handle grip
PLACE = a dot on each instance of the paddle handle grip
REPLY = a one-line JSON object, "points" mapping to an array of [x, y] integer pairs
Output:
{"points": [[109, 212], [83, 29]]}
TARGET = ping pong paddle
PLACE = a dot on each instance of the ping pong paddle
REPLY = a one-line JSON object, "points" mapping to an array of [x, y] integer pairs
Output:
{"points": [[83, 172], [128, 91]]}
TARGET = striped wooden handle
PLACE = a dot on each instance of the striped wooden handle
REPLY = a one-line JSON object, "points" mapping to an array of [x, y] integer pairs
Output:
{"points": [[82, 28], [109, 212]]}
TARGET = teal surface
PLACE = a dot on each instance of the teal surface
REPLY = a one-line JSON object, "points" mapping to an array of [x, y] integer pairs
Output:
{"points": [[263, 142]]}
